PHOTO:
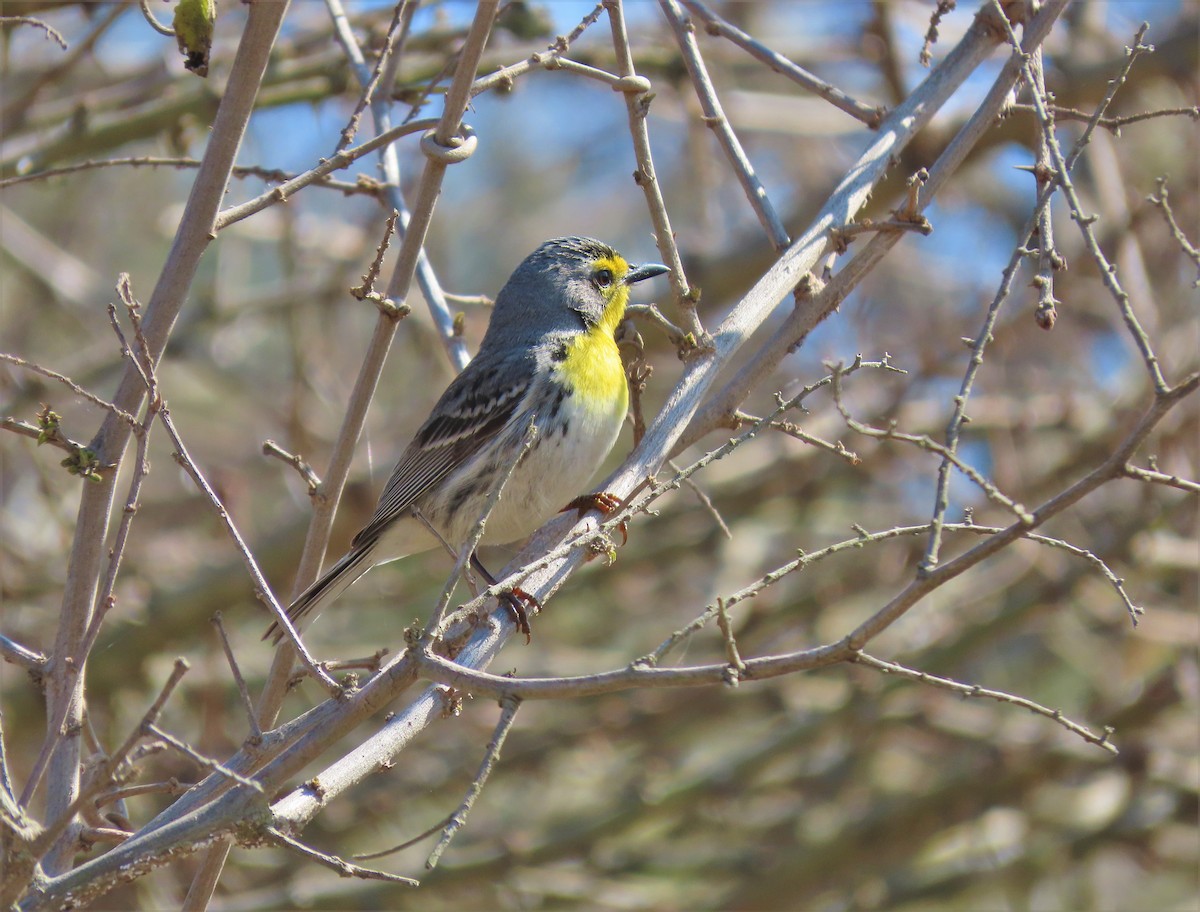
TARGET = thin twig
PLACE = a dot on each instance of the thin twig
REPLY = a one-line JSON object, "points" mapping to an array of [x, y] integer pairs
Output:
{"points": [[636, 90], [705, 500], [371, 663], [862, 539], [336, 162], [347, 188], [1176, 232], [508, 713], [402, 14], [651, 314], [931, 34], [408, 843], [208, 763], [311, 479], [52, 33], [925, 442], [343, 867], [1108, 272], [71, 385], [715, 119], [104, 776], [737, 667], [1112, 124], [548, 60], [791, 429], [974, 690], [262, 587], [141, 361], [89, 835], [1162, 478], [372, 274], [169, 787], [715, 25], [247, 703]]}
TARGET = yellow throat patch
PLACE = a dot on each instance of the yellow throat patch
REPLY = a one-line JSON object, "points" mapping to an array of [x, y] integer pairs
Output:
{"points": [[593, 363]]}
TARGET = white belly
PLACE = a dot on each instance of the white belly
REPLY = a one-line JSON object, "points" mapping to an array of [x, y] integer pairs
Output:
{"points": [[555, 470]]}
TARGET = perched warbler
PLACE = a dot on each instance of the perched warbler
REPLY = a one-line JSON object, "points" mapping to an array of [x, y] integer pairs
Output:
{"points": [[548, 359]]}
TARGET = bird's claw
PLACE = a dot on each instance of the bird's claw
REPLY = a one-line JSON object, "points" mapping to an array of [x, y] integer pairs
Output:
{"points": [[603, 503], [516, 602]]}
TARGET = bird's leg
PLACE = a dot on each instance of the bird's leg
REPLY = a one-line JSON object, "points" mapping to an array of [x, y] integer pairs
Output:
{"points": [[604, 504], [515, 601]]}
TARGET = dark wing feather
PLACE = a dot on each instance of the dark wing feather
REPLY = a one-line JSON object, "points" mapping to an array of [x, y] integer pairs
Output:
{"points": [[466, 419]]}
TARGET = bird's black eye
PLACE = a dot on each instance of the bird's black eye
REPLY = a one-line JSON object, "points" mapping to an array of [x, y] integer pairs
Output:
{"points": [[604, 277]]}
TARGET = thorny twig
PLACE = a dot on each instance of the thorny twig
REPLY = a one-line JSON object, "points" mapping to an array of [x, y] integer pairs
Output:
{"points": [[924, 442], [1112, 124], [1062, 168]]}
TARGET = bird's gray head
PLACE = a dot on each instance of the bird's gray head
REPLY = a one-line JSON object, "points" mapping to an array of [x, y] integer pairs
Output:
{"points": [[567, 284]]}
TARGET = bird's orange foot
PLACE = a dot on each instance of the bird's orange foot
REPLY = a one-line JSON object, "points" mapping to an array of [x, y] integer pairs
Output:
{"points": [[517, 602], [603, 503]]}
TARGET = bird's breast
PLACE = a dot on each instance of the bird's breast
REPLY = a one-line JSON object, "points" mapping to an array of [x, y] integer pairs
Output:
{"points": [[592, 370]]}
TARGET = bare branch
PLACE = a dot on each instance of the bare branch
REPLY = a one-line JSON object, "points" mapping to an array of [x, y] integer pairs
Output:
{"points": [[1155, 477], [636, 90], [974, 690], [170, 293], [361, 186], [52, 33], [71, 385], [715, 119], [508, 714], [14, 652], [271, 448], [247, 703], [343, 867], [780, 64], [207, 762], [1176, 232], [1062, 167]]}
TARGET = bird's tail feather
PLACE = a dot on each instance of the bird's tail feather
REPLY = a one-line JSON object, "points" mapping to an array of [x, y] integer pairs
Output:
{"points": [[336, 580]]}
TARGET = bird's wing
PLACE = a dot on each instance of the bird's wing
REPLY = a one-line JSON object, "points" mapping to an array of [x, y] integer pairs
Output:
{"points": [[466, 419]]}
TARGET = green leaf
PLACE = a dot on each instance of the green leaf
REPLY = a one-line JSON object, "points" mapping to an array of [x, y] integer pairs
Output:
{"points": [[194, 32]]}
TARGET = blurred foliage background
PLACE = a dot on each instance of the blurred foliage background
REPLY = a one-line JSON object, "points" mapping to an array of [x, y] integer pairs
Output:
{"points": [[841, 789]]}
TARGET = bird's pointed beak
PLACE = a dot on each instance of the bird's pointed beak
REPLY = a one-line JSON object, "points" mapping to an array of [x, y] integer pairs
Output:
{"points": [[647, 271]]}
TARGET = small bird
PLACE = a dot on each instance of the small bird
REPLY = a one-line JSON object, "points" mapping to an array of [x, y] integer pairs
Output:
{"points": [[549, 359]]}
